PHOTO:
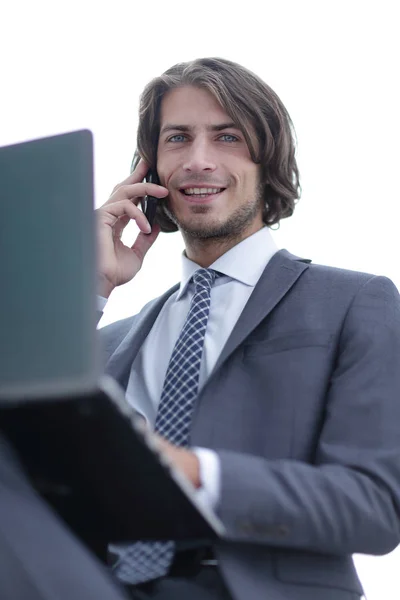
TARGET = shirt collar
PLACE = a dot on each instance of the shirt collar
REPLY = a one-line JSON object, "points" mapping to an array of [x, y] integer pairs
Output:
{"points": [[245, 262]]}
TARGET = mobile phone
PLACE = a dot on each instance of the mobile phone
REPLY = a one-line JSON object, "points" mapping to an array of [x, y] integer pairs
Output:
{"points": [[149, 203]]}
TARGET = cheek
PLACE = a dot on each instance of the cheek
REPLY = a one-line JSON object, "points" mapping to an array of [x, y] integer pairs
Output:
{"points": [[252, 180], [246, 183], [164, 170], [162, 174]]}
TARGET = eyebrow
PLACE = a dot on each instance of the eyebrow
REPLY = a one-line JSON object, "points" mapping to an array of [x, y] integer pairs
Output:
{"points": [[186, 128]]}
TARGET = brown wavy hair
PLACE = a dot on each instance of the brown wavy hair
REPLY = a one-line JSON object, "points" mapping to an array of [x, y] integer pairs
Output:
{"points": [[253, 106]]}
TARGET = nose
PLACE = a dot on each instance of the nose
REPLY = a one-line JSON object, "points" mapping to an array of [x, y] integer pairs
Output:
{"points": [[199, 157]]}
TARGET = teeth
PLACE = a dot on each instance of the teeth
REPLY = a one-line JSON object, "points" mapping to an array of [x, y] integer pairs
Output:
{"points": [[201, 191]]}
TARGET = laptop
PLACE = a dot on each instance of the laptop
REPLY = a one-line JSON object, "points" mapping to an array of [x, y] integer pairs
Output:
{"points": [[81, 444], [47, 269]]}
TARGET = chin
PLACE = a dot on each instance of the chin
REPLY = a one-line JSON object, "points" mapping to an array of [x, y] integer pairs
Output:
{"points": [[209, 228], [201, 223]]}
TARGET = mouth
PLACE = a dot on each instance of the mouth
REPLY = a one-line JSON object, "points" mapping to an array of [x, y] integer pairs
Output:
{"points": [[201, 194]]}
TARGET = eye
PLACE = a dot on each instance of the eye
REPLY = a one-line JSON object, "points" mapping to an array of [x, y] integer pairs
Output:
{"points": [[229, 138], [177, 138]]}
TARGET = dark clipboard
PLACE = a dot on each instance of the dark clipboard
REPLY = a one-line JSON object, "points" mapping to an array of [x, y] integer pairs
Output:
{"points": [[90, 459]]}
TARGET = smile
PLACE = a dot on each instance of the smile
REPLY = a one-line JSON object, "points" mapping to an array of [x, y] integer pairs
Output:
{"points": [[201, 191], [201, 194]]}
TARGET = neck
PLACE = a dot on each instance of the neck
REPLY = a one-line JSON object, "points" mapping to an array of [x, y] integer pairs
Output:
{"points": [[205, 252]]}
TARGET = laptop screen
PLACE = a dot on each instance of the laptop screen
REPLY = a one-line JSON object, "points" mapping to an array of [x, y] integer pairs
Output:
{"points": [[47, 268]]}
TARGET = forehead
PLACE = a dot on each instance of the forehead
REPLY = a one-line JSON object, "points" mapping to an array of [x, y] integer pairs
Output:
{"points": [[191, 105]]}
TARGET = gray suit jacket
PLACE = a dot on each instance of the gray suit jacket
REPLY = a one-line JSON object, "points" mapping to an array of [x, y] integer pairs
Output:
{"points": [[303, 409]]}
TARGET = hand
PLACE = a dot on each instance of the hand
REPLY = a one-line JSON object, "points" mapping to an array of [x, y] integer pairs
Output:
{"points": [[119, 263], [183, 459]]}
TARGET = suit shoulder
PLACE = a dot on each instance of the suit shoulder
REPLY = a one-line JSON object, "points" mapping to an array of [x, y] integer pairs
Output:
{"points": [[319, 272], [348, 277], [339, 272], [345, 275]]}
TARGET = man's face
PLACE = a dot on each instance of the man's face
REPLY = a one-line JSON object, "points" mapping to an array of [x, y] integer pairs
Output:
{"points": [[204, 161]]}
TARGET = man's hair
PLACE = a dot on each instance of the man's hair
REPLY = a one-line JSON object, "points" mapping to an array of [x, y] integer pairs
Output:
{"points": [[255, 109]]}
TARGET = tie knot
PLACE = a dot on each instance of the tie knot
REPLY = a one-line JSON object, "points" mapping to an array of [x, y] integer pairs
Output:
{"points": [[204, 278]]}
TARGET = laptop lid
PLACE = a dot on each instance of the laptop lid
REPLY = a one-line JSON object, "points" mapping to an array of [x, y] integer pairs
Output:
{"points": [[47, 268]]}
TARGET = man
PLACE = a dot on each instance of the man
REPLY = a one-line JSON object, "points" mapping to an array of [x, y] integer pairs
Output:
{"points": [[272, 383]]}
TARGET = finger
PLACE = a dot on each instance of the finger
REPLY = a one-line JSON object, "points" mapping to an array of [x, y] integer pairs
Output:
{"points": [[120, 225], [136, 191], [144, 242], [114, 211], [144, 189]]}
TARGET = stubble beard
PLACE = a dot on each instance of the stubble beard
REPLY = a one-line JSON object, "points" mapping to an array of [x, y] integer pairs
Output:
{"points": [[232, 228]]}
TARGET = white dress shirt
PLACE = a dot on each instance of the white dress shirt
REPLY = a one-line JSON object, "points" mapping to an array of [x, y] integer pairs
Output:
{"points": [[241, 267]]}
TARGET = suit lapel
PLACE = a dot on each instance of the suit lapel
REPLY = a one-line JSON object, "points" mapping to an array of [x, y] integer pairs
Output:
{"points": [[278, 277], [120, 362]]}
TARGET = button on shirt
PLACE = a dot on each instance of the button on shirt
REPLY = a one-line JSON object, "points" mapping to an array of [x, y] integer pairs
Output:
{"points": [[241, 268]]}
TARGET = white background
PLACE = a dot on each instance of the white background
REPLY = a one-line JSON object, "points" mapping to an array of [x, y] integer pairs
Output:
{"points": [[72, 65]]}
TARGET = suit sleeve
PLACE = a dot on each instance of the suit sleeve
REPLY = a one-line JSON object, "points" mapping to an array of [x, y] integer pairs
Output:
{"points": [[349, 500]]}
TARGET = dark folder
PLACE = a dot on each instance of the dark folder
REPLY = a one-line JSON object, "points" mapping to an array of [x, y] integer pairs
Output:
{"points": [[91, 460]]}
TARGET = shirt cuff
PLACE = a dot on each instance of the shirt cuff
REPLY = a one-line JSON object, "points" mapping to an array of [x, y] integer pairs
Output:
{"points": [[210, 481]]}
